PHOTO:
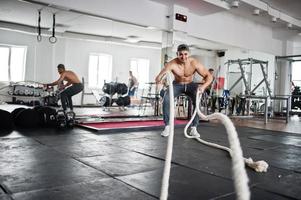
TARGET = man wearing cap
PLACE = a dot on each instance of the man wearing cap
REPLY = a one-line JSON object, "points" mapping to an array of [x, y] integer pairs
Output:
{"points": [[183, 68]]}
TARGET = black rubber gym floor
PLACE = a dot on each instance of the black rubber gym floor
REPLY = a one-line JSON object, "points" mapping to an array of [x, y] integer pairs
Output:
{"points": [[77, 164]]}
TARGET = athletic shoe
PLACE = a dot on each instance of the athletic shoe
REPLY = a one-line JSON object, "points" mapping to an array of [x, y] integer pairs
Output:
{"points": [[165, 132], [194, 132]]}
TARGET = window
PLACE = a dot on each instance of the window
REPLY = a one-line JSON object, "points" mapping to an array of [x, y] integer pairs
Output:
{"points": [[100, 70], [296, 73], [12, 63], [140, 69]]}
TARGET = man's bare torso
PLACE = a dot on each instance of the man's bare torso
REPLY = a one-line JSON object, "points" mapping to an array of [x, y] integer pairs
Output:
{"points": [[70, 77], [183, 72]]}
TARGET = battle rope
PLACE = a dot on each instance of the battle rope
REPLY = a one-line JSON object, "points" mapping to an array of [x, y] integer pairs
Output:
{"points": [[166, 172], [238, 170], [258, 166]]}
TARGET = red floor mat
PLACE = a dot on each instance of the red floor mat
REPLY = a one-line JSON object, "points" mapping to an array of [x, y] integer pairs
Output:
{"points": [[129, 124]]}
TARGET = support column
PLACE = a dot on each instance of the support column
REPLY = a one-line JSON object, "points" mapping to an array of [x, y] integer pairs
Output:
{"points": [[176, 35]]}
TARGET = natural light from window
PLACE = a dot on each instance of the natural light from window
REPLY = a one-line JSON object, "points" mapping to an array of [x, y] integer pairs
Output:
{"points": [[4, 55], [296, 73], [12, 63], [100, 70], [140, 69]]}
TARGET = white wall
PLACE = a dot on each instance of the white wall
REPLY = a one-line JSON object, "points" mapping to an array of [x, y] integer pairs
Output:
{"points": [[207, 58], [233, 30], [42, 58], [297, 48]]}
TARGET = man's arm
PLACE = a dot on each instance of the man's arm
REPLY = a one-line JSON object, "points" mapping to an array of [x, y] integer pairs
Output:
{"points": [[57, 81], [207, 77], [167, 67]]}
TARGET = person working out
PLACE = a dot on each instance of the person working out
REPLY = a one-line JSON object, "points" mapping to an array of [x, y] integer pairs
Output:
{"points": [[133, 84], [208, 90], [211, 92], [183, 68], [71, 88]]}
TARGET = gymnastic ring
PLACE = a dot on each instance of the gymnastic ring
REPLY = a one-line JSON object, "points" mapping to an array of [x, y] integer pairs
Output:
{"points": [[39, 38], [52, 39]]}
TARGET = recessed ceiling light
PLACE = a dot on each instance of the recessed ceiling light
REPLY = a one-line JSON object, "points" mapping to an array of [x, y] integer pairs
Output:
{"points": [[256, 12], [274, 19], [235, 4], [151, 28], [132, 39]]}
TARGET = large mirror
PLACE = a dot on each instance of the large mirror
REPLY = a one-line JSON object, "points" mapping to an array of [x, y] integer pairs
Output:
{"points": [[103, 50], [97, 48]]}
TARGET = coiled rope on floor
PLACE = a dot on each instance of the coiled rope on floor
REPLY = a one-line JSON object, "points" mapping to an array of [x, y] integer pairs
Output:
{"points": [[238, 169], [258, 166]]}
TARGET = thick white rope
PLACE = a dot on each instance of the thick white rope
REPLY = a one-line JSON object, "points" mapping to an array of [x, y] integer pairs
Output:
{"points": [[238, 170], [258, 166], [168, 156]]}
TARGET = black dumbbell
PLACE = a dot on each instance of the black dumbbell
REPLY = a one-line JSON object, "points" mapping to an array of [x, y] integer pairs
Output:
{"points": [[61, 119], [70, 118]]}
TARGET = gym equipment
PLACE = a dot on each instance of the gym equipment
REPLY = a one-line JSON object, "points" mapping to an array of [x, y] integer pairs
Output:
{"points": [[21, 89], [123, 101], [61, 119], [121, 88], [34, 103], [27, 118], [39, 36], [47, 116], [52, 38], [15, 112], [6, 120], [296, 98], [70, 117], [105, 101], [247, 83], [109, 88], [249, 92], [150, 96], [29, 93]]}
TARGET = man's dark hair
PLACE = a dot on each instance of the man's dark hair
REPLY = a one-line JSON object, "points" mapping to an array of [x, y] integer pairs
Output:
{"points": [[61, 66], [183, 47], [210, 70]]}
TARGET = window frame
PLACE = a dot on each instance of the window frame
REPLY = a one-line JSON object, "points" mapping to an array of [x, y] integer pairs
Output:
{"points": [[136, 73], [98, 84], [297, 82], [9, 61]]}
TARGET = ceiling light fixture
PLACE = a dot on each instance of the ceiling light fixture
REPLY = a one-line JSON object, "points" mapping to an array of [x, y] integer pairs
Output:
{"points": [[235, 4], [274, 19], [132, 39], [151, 28], [289, 25], [256, 12]]}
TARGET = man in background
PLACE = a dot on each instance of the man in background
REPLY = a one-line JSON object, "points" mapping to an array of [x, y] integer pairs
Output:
{"points": [[72, 87], [133, 84]]}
